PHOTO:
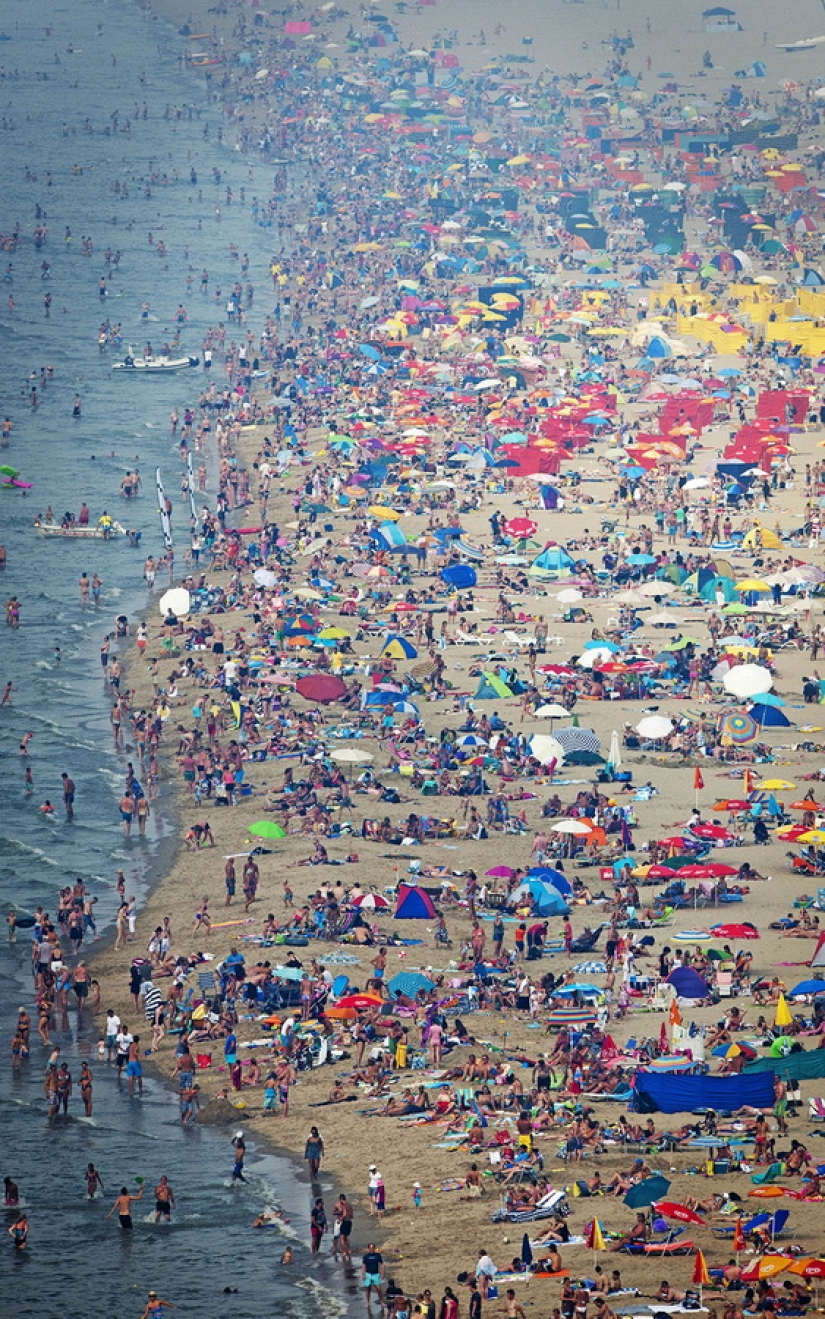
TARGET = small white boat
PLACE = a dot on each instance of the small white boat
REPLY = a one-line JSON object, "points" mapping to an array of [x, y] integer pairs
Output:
{"points": [[80, 533], [155, 365], [807, 43]]}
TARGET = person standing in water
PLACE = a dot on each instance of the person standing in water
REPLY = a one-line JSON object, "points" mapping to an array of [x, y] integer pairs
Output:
{"points": [[155, 1307], [19, 1232], [93, 1181], [123, 1206], [164, 1200]]}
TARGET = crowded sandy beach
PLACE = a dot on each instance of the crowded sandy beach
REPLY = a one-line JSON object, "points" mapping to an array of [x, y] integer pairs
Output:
{"points": [[481, 667]]}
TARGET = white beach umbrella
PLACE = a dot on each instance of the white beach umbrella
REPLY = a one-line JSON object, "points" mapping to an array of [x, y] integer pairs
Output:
{"points": [[747, 680], [654, 727], [176, 601]]}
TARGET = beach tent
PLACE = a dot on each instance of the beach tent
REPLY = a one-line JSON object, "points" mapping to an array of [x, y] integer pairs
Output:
{"points": [[670, 1092], [492, 688], [688, 983], [723, 584], [389, 534], [548, 875], [768, 716], [413, 904], [818, 958], [553, 561], [770, 540], [544, 898], [399, 648]]}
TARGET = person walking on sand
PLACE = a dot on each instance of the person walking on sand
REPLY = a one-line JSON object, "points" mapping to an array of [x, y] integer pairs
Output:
{"points": [[314, 1151], [203, 921]]}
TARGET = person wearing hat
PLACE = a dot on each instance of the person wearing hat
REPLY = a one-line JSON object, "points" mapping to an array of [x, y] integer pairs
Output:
{"points": [[155, 1306], [239, 1146], [375, 1181]]}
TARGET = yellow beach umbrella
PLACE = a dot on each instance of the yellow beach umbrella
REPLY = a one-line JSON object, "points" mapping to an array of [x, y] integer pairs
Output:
{"points": [[783, 1015], [751, 584], [777, 785], [385, 514]]}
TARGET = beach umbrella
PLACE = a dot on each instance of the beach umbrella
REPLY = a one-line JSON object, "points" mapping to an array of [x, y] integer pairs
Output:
{"points": [[646, 1193], [597, 1241], [360, 1002], [552, 711], [731, 930], [460, 575], [777, 785], [808, 1268], [807, 987], [586, 991], [371, 902], [526, 1250], [266, 829], [739, 729], [676, 1062], [521, 528], [263, 577], [766, 1267], [701, 1277], [711, 870], [177, 602], [575, 828], [783, 1015], [410, 983], [322, 688], [351, 756], [500, 872], [654, 728], [578, 739], [672, 1209], [546, 749], [747, 680]]}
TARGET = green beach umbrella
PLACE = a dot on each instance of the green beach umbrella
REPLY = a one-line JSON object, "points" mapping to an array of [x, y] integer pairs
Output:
{"points": [[266, 829]]}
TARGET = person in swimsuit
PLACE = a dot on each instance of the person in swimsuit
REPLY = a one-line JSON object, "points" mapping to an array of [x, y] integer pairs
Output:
{"points": [[93, 1181], [19, 1232], [155, 1307], [86, 1087], [164, 1200], [123, 1205]]}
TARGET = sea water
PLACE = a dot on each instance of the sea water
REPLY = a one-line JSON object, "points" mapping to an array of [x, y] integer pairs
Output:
{"points": [[69, 72]]}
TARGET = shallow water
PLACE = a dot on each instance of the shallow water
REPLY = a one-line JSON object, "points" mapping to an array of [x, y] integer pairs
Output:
{"points": [[78, 1263]]}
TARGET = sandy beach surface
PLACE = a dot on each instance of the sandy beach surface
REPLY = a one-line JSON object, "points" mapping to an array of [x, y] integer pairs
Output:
{"points": [[428, 1246]]}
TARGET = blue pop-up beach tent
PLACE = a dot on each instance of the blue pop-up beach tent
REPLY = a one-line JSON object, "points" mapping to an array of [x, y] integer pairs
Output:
{"points": [[414, 904]]}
